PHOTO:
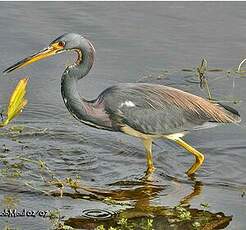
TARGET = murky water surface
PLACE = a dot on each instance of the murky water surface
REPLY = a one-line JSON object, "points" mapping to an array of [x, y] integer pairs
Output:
{"points": [[148, 42]]}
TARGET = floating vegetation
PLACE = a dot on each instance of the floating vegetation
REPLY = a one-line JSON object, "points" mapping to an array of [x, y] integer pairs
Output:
{"points": [[201, 72], [9, 202], [182, 213], [204, 206], [10, 170], [56, 220], [151, 217], [16, 131], [208, 70]]}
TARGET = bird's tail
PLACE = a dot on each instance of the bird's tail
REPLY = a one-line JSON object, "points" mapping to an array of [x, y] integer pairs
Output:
{"points": [[234, 114]]}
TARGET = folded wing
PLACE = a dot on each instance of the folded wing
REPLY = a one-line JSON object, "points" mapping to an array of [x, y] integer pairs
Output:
{"points": [[158, 109]]}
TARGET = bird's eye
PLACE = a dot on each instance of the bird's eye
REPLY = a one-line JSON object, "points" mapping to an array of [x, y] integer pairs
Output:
{"points": [[61, 43]]}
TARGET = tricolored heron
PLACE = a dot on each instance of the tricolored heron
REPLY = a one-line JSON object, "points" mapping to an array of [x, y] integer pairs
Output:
{"points": [[146, 111]]}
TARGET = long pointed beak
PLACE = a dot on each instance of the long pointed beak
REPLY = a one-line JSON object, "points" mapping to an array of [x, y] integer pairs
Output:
{"points": [[47, 52]]}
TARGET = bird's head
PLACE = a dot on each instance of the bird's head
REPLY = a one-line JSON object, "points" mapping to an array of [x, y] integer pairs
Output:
{"points": [[69, 41]]}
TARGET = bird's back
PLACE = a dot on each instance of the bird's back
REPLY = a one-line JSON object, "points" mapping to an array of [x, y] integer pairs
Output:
{"points": [[158, 109]]}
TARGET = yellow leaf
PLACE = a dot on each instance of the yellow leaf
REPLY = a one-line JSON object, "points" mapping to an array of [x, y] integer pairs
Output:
{"points": [[16, 102]]}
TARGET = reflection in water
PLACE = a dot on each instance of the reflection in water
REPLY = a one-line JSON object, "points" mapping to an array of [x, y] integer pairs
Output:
{"points": [[142, 213], [197, 190]]}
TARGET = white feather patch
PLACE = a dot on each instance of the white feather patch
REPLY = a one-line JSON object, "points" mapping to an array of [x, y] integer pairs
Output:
{"points": [[127, 104]]}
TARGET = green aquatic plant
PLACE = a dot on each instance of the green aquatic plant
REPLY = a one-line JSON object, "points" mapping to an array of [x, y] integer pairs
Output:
{"points": [[73, 183], [59, 184], [110, 201], [149, 225], [182, 213], [10, 170], [112, 228], [196, 225], [9, 201], [54, 214], [201, 73], [8, 227], [17, 128], [100, 227], [124, 224], [205, 206], [56, 220]]}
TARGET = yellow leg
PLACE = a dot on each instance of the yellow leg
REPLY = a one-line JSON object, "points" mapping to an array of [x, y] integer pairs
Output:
{"points": [[148, 148], [199, 156]]}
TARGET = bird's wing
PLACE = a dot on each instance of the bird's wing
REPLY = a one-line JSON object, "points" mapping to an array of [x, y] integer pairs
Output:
{"points": [[157, 109]]}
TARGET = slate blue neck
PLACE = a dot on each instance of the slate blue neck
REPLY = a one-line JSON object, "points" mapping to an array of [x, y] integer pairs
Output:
{"points": [[74, 103]]}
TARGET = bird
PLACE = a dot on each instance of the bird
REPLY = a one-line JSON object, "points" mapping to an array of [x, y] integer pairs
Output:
{"points": [[142, 110]]}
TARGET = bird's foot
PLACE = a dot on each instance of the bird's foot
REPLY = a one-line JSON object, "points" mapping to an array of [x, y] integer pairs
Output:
{"points": [[190, 173], [195, 166], [150, 169], [149, 173]]}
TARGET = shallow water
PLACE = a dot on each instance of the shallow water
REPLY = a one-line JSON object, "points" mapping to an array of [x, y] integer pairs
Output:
{"points": [[149, 42]]}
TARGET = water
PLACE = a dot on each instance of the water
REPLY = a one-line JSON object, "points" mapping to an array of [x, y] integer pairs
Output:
{"points": [[133, 41]]}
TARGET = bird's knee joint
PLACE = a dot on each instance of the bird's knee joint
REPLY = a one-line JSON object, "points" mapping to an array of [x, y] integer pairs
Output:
{"points": [[200, 159]]}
